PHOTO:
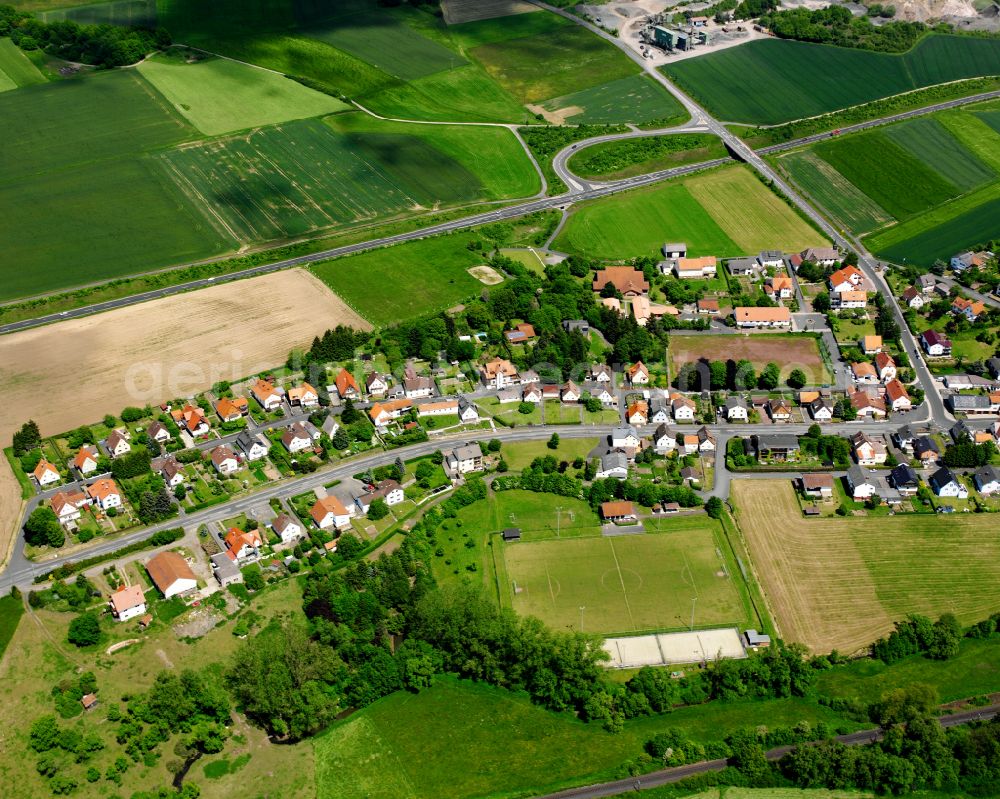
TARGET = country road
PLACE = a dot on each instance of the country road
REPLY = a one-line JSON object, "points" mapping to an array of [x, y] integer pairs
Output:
{"points": [[666, 776]]}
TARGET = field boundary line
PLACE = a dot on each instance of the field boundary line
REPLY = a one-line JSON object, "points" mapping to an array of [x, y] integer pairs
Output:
{"points": [[621, 579]]}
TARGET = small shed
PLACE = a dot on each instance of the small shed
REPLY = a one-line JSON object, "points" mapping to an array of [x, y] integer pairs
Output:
{"points": [[511, 534], [88, 701], [757, 639]]}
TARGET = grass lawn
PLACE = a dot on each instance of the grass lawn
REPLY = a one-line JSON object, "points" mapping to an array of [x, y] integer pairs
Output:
{"points": [[426, 275], [221, 96], [850, 331], [508, 413], [794, 80], [627, 583], [725, 212], [492, 154], [625, 158], [522, 453], [636, 98], [530, 259], [832, 583], [15, 68], [554, 64]]}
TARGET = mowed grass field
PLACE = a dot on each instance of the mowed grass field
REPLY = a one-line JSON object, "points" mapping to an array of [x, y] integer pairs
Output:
{"points": [[725, 212], [15, 68], [840, 583], [788, 350], [793, 80], [627, 583], [221, 96], [424, 276]]}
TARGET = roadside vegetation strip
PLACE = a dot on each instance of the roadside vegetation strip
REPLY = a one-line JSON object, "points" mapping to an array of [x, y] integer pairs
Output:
{"points": [[425, 276], [16, 68], [794, 79], [636, 98], [221, 96], [850, 208], [492, 154], [626, 158], [158, 539], [833, 584]]}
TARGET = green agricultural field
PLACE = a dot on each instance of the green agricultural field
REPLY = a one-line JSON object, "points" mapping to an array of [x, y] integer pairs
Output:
{"points": [[627, 584], [11, 611], [932, 143], [625, 158], [466, 94], [849, 207], [894, 178], [724, 212], [637, 98], [286, 181], [15, 68], [188, 20], [561, 62], [426, 275], [493, 154], [793, 80], [384, 40], [221, 96], [131, 13], [973, 130], [991, 118], [502, 29]]}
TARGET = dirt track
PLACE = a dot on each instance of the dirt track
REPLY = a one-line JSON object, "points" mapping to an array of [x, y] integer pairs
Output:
{"points": [[74, 372]]}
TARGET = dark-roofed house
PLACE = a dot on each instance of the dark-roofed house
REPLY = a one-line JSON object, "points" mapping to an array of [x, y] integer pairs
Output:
{"points": [[925, 449], [251, 446], [613, 464], [904, 479], [775, 446], [935, 344], [944, 483], [743, 267], [465, 459], [972, 404], [737, 409], [904, 437], [862, 482], [511, 534], [675, 249], [987, 480]]}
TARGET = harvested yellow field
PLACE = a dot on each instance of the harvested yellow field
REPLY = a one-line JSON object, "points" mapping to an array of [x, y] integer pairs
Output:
{"points": [[840, 583], [75, 372]]}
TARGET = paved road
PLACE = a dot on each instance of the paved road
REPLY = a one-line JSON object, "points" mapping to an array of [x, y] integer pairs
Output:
{"points": [[656, 779]]}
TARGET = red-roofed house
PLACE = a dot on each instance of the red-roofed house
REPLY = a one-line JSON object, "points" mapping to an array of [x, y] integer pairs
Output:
{"points": [[127, 602]]}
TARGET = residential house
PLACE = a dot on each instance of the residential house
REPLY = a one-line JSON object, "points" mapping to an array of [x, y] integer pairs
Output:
{"points": [[987, 480], [695, 268], [45, 474], [127, 602], [520, 334], [441, 408], [682, 408], [599, 391], [885, 366], [638, 413], [773, 259], [904, 479], [913, 298], [225, 571], [708, 306], [935, 344], [305, 396], [252, 447], [706, 441], [267, 396], [904, 438], [533, 393], [778, 287], [468, 413], [242, 547], [864, 372], [613, 464], [287, 528], [690, 475], [821, 256], [570, 392], [844, 300], [627, 280], [967, 382], [600, 373], [117, 444], [871, 345], [389, 491], [618, 512], [376, 385], [862, 483], [330, 512], [944, 483], [867, 405], [499, 373], [970, 309], [821, 409], [817, 486], [232, 409], [625, 437], [382, 413], [172, 472], [774, 446], [297, 438], [464, 459], [848, 278], [970, 260], [927, 282], [224, 460], [637, 374], [85, 461], [896, 397], [868, 451], [330, 425], [744, 267], [67, 507], [753, 317], [347, 386], [659, 412], [925, 450], [664, 440], [157, 431], [675, 249], [581, 326], [780, 410], [737, 409], [171, 574], [191, 418], [105, 494]]}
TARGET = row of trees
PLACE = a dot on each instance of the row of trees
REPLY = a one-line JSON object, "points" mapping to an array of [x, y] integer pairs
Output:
{"points": [[734, 376], [917, 634]]}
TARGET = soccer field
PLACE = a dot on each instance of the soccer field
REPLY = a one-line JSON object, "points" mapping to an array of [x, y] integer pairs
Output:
{"points": [[626, 584]]}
